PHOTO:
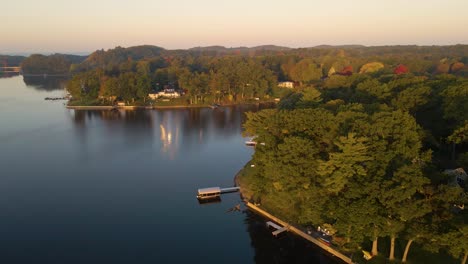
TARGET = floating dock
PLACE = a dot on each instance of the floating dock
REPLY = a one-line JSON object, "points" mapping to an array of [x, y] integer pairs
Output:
{"points": [[229, 190], [279, 229], [214, 192]]}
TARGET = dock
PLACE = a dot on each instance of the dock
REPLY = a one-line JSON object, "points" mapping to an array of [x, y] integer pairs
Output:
{"points": [[229, 190], [300, 233], [279, 229], [214, 192]]}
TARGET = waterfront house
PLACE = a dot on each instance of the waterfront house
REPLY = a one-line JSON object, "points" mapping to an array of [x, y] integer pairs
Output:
{"points": [[286, 85], [166, 93], [153, 96], [108, 98]]}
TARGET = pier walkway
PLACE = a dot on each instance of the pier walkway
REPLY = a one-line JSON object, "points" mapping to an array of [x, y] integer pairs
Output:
{"points": [[299, 232], [229, 190]]}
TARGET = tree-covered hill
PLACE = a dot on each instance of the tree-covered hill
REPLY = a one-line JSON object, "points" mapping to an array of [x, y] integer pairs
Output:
{"points": [[118, 55], [52, 64], [9, 60], [364, 155]]}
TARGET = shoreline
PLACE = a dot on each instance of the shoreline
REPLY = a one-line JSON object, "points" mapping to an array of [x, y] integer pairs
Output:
{"points": [[156, 107], [256, 208]]}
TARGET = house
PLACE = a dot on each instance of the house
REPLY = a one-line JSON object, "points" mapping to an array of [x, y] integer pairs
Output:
{"points": [[153, 96], [458, 177], [166, 93], [108, 98], [286, 84]]}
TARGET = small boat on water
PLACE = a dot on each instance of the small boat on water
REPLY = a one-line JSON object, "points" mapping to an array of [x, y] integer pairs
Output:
{"points": [[214, 192], [214, 106], [250, 143], [209, 193]]}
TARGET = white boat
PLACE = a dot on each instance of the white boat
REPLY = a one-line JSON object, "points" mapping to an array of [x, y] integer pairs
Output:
{"points": [[209, 193], [250, 143]]}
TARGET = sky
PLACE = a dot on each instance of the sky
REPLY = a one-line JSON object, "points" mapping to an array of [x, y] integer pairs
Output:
{"points": [[46, 26]]}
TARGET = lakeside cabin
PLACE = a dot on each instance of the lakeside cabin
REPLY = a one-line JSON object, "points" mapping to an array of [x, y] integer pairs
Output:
{"points": [[288, 84], [166, 93], [250, 143], [209, 193]]}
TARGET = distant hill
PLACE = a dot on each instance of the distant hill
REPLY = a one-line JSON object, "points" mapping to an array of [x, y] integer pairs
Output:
{"points": [[271, 47], [52, 64], [339, 46], [119, 55], [209, 48], [222, 48], [119, 58], [11, 60]]}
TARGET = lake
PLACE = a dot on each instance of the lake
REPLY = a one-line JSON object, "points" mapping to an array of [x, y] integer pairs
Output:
{"points": [[119, 186]]}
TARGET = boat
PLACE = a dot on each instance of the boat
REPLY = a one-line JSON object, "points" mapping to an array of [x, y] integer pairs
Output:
{"points": [[250, 143], [209, 193], [214, 106]]}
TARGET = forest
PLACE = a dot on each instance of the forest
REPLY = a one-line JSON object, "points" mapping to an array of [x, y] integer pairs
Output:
{"points": [[11, 61], [365, 155], [55, 64], [207, 75]]}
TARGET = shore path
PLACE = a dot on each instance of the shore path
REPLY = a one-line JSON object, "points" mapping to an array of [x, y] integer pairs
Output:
{"points": [[299, 232]]}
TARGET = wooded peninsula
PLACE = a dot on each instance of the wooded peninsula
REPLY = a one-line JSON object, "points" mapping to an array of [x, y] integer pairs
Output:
{"points": [[371, 142]]}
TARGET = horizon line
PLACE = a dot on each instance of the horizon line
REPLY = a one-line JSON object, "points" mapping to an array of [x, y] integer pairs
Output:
{"points": [[85, 53]]}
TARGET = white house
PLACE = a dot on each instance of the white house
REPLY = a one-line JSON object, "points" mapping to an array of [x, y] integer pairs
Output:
{"points": [[166, 93], [286, 84]]}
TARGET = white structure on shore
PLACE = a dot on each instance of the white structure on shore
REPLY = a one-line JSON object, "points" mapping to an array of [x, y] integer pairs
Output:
{"points": [[286, 84], [166, 93]]}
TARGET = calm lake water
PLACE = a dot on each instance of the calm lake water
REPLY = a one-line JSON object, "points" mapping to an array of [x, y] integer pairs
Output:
{"points": [[120, 186]]}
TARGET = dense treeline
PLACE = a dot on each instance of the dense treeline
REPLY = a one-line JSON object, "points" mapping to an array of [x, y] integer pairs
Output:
{"points": [[218, 74], [11, 61], [52, 64], [363, 155]]}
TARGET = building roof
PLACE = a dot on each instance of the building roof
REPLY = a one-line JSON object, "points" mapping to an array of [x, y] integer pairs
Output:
{"points": [[209, 190]]}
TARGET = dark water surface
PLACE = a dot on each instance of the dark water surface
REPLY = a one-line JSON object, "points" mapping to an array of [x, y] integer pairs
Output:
{"points": [[119, 186]]}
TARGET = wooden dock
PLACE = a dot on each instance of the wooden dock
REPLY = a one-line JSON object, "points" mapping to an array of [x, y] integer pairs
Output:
{"points": [[230, 189], [279, 229], [299, 232]]}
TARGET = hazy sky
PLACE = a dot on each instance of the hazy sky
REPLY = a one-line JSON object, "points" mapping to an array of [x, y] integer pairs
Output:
{"points": [[87, 25]]}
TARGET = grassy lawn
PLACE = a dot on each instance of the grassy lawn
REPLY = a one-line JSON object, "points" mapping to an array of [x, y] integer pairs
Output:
{"points": [[86, 102]]}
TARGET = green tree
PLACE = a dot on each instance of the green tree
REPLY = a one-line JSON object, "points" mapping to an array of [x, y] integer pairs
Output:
{"points": [[143, 80], [344, 164], [412, 98], [306, 71], [456, 242]]}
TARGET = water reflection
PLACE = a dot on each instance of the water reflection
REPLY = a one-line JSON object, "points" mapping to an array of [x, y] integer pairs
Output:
{"points": [[116, 186], [45, 82], [166, 130], [8, 74], [133, 129]]}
